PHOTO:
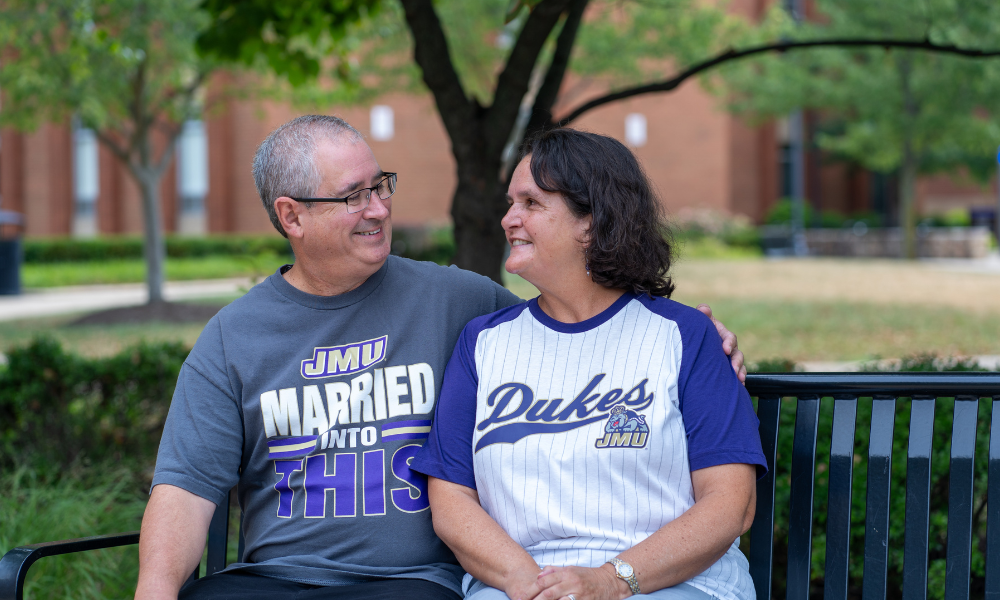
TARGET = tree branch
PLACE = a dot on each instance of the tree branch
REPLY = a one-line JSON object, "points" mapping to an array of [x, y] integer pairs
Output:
{"points": [[515, 79], [731, 55], [430, 51], [109, 143], [541, 112]]}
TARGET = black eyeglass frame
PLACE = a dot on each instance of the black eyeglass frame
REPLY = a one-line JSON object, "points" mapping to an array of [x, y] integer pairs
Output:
{"points": [[388, 177]]}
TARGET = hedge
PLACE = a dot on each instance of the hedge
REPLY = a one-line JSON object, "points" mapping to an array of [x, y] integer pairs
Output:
{"points": [[58, 408], [51, 250]]}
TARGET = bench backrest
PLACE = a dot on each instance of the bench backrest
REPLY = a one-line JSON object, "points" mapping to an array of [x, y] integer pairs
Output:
{"points": [[883, 390], [846, 389]]}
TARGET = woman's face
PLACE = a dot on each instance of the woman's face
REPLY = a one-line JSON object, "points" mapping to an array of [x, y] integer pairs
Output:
{"points": [[545, 237]]}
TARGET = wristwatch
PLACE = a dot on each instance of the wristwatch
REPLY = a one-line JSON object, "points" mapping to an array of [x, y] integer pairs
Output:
{"points": [[626, 573]]}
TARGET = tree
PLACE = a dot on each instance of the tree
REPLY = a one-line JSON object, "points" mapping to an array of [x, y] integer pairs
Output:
{"points": [[531, 55], [900, 110], [126, 68]]}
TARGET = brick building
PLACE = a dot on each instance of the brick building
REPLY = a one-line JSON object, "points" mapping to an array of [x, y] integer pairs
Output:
{"points": [[697, 155]]}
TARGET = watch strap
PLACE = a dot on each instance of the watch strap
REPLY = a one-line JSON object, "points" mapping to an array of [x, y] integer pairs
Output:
{"points": [[633, 583]]}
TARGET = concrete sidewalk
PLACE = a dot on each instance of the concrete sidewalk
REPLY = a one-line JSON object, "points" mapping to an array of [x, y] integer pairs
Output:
{"points": [[77, 299], [987, 361]]}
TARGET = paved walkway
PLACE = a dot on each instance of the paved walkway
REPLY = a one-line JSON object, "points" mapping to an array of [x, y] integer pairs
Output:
{"points": [[75, 299], [987, 361]]}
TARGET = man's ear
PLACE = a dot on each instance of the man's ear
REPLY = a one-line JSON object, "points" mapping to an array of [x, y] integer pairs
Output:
{"points": [[290, 215]]}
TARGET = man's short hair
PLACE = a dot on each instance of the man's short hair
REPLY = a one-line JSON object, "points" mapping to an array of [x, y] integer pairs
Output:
{"points": [[284, 165]]}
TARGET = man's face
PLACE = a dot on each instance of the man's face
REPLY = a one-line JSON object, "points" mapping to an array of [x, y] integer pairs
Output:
{"points": [[352, 244]]}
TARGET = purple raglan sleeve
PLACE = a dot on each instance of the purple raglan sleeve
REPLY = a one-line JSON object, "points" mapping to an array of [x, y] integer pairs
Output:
{"points": [[448, 452], [718, 414]]}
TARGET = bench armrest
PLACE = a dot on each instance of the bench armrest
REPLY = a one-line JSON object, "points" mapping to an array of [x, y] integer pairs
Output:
{"points": [[15, 564]]}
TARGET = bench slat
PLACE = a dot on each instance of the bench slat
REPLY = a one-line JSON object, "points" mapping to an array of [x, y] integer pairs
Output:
{"points": [[762, 530], [218, 539], [963, 452], [838, 516], [803, 486], [993, 509], [918, 498], [877, 506]]}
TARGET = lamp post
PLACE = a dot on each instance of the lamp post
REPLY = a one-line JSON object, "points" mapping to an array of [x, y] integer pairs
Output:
{"points": [[996, 214], [797, 162]]}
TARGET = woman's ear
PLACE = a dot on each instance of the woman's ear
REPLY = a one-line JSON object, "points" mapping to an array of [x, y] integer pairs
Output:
{"points": [[290, 215]]}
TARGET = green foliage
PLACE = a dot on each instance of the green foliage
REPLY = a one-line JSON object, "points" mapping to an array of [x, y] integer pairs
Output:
{"points": [[434, 245], [57, 408], [939, 487], [292, 38], [956, 217], [781, 214], [772, 365], [51, 250], [35, 508], [102, 61], [874, 100], [629, 43]]}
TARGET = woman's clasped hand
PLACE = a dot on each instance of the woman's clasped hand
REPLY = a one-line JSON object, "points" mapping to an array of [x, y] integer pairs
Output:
{"points": [[582, 583]]}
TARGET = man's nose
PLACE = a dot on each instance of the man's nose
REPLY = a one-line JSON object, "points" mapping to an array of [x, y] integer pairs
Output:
{"points": [[377, 208]]}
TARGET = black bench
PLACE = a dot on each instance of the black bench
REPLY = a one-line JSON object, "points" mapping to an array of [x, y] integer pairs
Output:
{"points": [[846, 389]]}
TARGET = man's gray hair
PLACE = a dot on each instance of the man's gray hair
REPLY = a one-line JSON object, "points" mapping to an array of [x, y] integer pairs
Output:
{"points": [[284, 165]]}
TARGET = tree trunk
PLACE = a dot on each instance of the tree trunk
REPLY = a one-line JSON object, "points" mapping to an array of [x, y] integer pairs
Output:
{"points": [[477, 207], [154, 243]]}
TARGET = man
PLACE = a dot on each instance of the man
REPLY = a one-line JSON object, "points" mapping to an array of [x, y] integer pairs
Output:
{"points": [[312, 393]]}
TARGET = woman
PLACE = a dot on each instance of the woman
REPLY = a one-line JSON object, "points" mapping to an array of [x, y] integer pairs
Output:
{"points": [[592, 443]]}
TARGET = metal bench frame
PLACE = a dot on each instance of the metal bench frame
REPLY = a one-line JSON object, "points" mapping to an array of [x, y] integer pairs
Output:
{"points": [[846, 389]]}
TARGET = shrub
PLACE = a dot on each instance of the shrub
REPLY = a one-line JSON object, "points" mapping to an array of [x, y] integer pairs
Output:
{"points": [[52, 250], [781, 214], [692, 225], [58, 408]]}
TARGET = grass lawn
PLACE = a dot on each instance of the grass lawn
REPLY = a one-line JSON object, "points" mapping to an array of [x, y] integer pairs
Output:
{"points": [[801, 310], [40, 275]]}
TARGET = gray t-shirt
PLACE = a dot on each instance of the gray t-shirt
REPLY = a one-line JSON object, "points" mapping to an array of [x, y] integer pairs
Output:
{"points": [[315, 406]]}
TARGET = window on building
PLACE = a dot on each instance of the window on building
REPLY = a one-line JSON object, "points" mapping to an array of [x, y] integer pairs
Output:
{"points": [[382, 126], [635, 130], [192, 177], [86, 181]]}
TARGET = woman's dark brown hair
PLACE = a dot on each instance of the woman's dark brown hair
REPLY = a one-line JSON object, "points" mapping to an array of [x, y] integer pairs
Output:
{"points": [[627, 246]]}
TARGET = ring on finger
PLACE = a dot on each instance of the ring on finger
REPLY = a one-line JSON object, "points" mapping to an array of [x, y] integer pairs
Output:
{"points": [[571, 597]]}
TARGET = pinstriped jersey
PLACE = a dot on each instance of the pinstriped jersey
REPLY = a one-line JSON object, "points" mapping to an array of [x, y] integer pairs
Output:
{"points": [[580, 438]]}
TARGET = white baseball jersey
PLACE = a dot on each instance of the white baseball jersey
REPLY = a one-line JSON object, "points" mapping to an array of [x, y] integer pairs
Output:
{"points": [[580, 438]]}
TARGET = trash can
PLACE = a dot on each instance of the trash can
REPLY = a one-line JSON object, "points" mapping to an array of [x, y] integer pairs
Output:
{"points": [[10, 252]]}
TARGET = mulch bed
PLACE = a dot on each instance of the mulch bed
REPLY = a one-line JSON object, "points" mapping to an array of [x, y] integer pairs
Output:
{"points": [[163, 312]]}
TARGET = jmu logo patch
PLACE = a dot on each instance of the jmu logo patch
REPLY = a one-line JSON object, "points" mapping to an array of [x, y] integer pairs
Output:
{"points": [[625, 429], [329, 361]]}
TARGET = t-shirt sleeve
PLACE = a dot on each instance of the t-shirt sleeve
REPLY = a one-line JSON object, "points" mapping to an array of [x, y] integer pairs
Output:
{"points": [[201, 447], [448, 452], [719, 419], [505, 297]]}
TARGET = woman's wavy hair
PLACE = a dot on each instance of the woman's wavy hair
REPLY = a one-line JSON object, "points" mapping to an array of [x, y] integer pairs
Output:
{"points": [[628, 244]]}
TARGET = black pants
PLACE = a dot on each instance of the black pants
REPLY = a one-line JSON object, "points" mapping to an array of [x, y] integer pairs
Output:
{"points": [[247, 586]]}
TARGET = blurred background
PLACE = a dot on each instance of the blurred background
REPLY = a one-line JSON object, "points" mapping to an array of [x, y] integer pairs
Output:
{"points": [[829, 168]]}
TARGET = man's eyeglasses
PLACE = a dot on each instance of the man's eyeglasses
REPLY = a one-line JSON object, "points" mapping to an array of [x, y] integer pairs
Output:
{"points": [[358, 201]]}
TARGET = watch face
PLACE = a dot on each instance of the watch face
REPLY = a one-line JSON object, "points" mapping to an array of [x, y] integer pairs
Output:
{"points": [[624, 569]]}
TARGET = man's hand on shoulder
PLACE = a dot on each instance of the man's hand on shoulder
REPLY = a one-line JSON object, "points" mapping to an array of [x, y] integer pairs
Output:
{"points": [[728, 344]]}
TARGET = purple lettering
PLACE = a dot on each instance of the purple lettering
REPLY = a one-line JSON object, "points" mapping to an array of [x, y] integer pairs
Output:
{"points": [[342, 482], [285, 468], [403, 498], [374, 467]]}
